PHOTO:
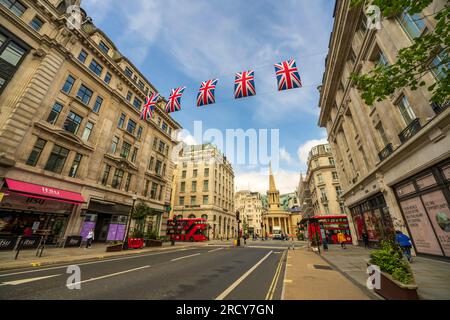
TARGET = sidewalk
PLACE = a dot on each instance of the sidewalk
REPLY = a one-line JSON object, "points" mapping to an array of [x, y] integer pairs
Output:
{"points": [[27, 258], [309, 277], [432, 276]]}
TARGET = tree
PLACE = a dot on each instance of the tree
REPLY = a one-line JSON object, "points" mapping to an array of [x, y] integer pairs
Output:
{"points": [[413, 62], [140, 213]]}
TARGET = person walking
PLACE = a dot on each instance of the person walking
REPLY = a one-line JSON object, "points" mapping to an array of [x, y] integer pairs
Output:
{"points": [[365, 239], [325, 243], [28, 232], [89, 239], [405, 244], [341, 239]]}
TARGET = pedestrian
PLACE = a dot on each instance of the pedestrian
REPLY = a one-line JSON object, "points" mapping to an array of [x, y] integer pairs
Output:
{"points": [[341, 239], [325, 243], [365, 239], [89, 239], [245, 239], [28, 232], [405, 244]]}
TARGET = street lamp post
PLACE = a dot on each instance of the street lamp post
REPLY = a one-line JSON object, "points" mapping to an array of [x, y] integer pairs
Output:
{"points": [[238, 242], [125, 244]]}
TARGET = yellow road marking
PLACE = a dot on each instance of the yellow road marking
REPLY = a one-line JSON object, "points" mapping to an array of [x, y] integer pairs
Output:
{"points": [[272, 287]]}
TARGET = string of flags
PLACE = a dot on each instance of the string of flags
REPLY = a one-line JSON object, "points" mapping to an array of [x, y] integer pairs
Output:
{"points": [[286, 72]]}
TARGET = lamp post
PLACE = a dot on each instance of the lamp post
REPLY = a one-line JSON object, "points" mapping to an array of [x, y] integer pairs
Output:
{"points": [[238, 242], [125, 243]]}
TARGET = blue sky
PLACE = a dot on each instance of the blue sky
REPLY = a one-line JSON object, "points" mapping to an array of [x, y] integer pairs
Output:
{"points": [[181, 42]]}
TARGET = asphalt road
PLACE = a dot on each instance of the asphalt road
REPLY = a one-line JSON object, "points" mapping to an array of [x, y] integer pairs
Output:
{"points": [[212, 272]]}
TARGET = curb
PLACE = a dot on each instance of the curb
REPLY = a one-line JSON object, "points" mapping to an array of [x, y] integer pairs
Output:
{"points": [[87, 259]]}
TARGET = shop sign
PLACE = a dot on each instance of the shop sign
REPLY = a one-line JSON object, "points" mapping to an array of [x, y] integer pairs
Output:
{"points": [[420, 227], [439, 213], [30, 242], [8, 242], [73, 241], [446, 172], [405, 189], [426, 181]]}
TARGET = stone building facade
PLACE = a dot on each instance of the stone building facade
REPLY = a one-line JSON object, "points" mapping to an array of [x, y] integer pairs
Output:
{"points": [[74, 153], [392, 157], [250, 206], [203, 187]]}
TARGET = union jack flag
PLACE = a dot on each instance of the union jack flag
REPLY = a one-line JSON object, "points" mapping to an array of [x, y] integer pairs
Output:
{"points": [[287, 75], [206, 92], [244, 84], [149, 106], [173, 104]]}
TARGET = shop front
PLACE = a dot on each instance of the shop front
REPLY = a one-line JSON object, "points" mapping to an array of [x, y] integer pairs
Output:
{"points": [[108, 220], [424, 200], [372, 217], [35, 210]]}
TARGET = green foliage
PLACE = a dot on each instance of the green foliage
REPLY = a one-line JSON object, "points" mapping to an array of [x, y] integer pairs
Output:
{"points": [[390, 260], [151, 234], [137, 234], [413, 62], [140, 213]]}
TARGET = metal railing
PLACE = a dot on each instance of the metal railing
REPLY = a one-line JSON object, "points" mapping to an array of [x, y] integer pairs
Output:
{"points": [[410, 130], [386, 152]]}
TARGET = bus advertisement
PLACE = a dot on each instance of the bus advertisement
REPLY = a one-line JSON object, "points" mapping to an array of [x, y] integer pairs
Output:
{"points": [[187, 229]]}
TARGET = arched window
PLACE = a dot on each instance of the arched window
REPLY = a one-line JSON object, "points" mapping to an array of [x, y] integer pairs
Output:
{"points": [[191, 216], [205, 216]]}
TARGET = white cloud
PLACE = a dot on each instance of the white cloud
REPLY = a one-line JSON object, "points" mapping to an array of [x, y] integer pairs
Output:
{"points": [[285, 155], [285, 181], [304, 149]]}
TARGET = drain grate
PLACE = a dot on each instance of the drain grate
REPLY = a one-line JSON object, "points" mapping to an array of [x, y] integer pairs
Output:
{"points": [[322, 267]]}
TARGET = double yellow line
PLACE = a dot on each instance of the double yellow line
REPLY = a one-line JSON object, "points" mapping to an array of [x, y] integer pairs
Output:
{"points": [[273, 285]]}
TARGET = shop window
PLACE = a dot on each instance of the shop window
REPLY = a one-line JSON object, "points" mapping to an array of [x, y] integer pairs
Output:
{"points": [[54, 114], [36, 152], [72, 122], [76, 163], [57, 159]]}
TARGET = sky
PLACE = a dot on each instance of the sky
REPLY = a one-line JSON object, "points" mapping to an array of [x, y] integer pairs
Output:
{"points": [[184, 42]]}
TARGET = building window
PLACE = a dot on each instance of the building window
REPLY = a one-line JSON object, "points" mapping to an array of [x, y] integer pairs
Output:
{"points": [[117, 179], [139, 132], [335, 176], [134, 155], [55, 162], [128, 182], [141, 85], [183, 174], [193, 200], [96, 67], [131, 127], [331, 161], [155, 142], [36, 152], [164, 127], [108, 77], [206, 172], [146, 185], [342, 207], [381, 59], [36, 23], [412, 24], [87, 131], [205, 185], [438, 67], [84, 94], [382, 134], [150, 163], [115, 143], [405, 110], [128, 72], [320, 178], [194, 173], [15, 6], [121, 120], [181, 201], [68, 84], [103, 47], [83, 56], [158, 167], [72, 122], [205, 199], [137, 103], [183, 186], [163, 170], [106, 174], [194, 186], [126, 148], [326, 209], [129, 95], [161, 146], [338, 191], [75, 164], [12, 54], [54, 114], [98, 104], [153, 190]]}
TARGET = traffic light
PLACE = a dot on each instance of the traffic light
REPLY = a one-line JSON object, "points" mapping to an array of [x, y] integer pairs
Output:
{"points": [[237, 215]]}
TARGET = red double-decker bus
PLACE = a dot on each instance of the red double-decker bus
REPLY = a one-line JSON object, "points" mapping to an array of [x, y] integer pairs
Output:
{"points": [[187, 229], [330, 226]]}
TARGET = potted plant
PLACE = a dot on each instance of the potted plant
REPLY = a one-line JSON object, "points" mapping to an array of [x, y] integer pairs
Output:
{"points": [[396, 279], [151, 239], [114, 246]]}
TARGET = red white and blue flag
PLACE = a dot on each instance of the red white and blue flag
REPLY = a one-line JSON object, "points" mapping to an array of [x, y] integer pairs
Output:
{"points": [[244, 84], [149, 106], [174, 102], [206, 92], [287, 75]]}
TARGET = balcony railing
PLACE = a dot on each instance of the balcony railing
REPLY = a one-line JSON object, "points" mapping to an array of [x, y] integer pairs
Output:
{"points": [[438, 108], [410, 130], [386, 152]]}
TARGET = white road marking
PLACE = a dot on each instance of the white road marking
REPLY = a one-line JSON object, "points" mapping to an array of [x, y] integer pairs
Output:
{"points": [[107, 276], [224, 294], [215, 250], [94, 262], [191, 255], [22, 281]]}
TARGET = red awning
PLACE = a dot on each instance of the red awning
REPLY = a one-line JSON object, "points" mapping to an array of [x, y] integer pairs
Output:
{"points": [[43, 192]]}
